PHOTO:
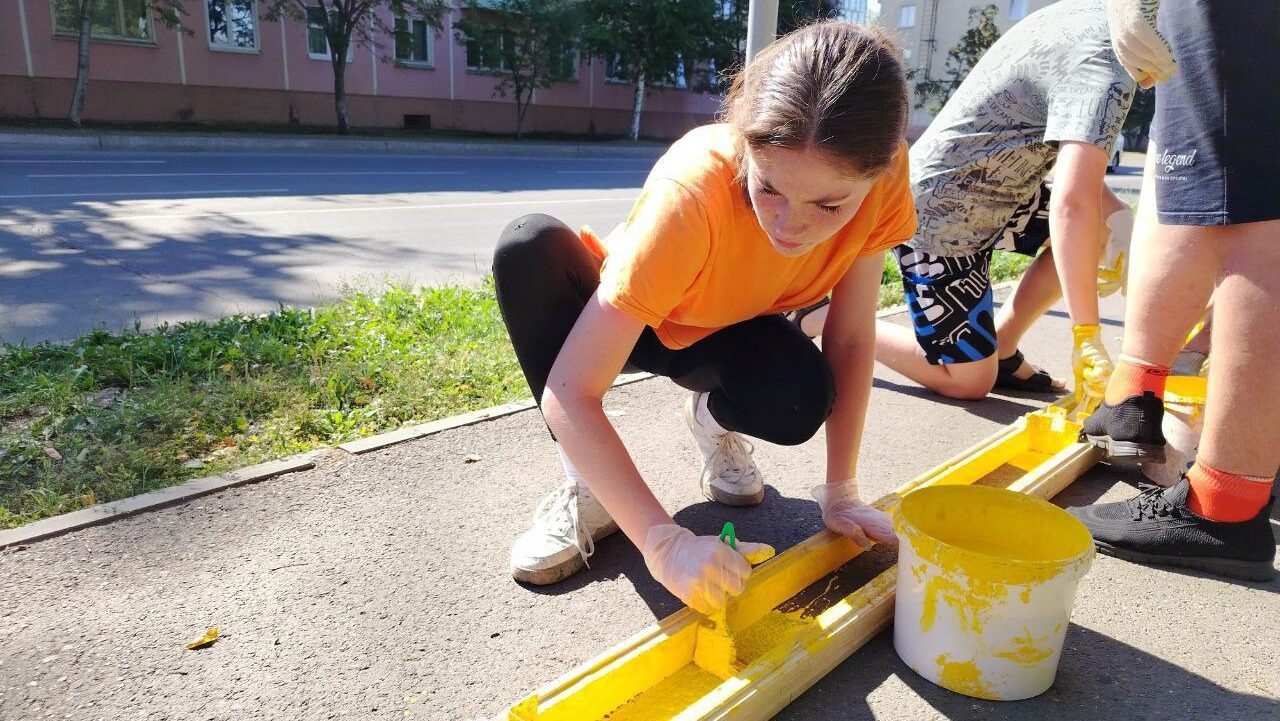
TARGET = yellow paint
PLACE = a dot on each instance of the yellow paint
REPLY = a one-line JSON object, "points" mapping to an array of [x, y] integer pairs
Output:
{"points": [[668, 698], [1186, 390], [526, 710], [964, 677], [971, 600], [759, 555], [715, 651], [775, 629], [654, 675], [1026, 650]]}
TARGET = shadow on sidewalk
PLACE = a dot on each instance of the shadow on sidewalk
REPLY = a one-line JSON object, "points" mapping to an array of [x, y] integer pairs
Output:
{"points": [[1002, 407], [1098, 678], [780, 521]]}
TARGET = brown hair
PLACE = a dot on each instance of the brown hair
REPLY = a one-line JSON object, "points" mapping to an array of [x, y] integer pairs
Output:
{"points": [[834, 86]]}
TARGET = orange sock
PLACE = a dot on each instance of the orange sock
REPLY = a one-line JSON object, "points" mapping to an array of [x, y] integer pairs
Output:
{"points": [[1133, 377], [1226, 497]]}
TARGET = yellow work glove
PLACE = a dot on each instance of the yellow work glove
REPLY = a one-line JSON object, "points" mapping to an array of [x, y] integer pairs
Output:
{"points": [[1092, 366], [699, 570], [844, 513], [1113, 266], [1141, 49]]}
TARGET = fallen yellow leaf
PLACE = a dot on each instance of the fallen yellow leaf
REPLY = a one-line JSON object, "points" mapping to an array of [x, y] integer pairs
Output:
{"points": [[204, 641]]}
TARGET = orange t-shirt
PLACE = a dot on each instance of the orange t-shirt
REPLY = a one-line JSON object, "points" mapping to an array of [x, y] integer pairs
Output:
{"points": [[692, 258]]}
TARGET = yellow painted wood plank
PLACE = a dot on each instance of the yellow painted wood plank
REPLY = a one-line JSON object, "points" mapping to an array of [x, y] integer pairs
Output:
{"points": [[783, 654]]}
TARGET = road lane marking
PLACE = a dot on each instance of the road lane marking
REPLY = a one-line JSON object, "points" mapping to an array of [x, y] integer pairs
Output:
{"points": [[312, 211], [144, 193], [246, 175], [80, 162]]}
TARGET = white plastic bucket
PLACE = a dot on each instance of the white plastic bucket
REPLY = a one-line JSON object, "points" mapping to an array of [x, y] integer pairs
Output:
{"points": [[1184, 399], [986, 580]]}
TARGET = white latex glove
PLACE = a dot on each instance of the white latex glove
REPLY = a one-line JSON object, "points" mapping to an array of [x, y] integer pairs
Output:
{"points": [[845, 513], [1092, 366], [1113, 266], [1141, 49], [702, 571]]}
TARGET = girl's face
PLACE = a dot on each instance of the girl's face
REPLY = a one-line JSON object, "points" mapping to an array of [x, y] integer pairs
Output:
{"points": [[800, 198]]}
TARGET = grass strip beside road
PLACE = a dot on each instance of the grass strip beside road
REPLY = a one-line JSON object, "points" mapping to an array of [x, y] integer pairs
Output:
{"points": [[109, 416]]}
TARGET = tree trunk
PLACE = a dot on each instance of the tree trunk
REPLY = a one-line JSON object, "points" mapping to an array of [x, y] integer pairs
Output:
{"points": [[522, 107], [82, 63], [339, 59], [636, 107]]}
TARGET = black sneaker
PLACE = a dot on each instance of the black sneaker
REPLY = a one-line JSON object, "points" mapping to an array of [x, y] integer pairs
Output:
{"points": [[1129, 431], [1156, 527]]}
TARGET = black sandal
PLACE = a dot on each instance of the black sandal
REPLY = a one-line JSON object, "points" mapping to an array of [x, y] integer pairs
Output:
{"points": [[797, 316], [1039, 382]]}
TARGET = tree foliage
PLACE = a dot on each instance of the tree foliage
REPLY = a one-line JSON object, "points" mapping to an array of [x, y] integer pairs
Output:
{"points": [[348, 22], [678, 43], [526, 44], [933, 93]]}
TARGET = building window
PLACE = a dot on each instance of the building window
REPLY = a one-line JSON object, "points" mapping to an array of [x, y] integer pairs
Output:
{"points": [[907, 16], [414, 42], [615, 69], [486, 51], [317, 41], [564, 60], [1017, 9], [112, 19], [233, 24]]}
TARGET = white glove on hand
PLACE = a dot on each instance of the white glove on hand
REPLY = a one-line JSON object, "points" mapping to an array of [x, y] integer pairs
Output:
{"points": [[702, 571], [1113, 266], [1141, 49], [1091, 363], [845, 513]]}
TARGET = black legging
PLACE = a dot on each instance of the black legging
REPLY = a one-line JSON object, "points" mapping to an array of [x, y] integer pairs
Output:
{"points": [[765, 377]]}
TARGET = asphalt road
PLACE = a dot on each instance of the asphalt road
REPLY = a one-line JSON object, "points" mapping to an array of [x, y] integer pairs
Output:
{"points": [[109, 239]]}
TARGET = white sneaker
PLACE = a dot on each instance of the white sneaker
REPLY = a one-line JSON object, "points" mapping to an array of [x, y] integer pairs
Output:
{"points": [[566, 526], [729, 475]]}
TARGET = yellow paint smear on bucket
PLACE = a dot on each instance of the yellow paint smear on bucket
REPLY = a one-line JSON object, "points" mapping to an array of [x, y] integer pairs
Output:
{"points": [[963, 676], [1026, 650]]}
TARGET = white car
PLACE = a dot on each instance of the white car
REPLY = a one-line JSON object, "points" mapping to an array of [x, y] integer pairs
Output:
{"points": [[1117, 150]]}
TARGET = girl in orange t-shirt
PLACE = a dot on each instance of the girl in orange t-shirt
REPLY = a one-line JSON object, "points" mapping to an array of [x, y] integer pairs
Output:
{"points": [[796, 194]]}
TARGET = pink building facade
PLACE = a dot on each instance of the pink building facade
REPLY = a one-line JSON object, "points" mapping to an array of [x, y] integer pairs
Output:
{"points": [[246, 70]]}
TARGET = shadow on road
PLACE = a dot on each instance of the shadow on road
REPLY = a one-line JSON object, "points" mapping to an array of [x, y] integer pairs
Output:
{"points": [[60, 281]]}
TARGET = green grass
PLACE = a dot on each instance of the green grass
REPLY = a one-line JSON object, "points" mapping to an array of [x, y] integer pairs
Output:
{"points": [[108, 416], [112, 415]]}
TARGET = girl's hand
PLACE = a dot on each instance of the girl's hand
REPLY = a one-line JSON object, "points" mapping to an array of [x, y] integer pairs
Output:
{"points": [[702, 571], [845, 513]]}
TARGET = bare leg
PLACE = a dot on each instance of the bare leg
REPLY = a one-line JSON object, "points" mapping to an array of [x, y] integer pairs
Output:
{"points": [[1171, 276], [1037, 290], [1242, 414], [896, 347]]}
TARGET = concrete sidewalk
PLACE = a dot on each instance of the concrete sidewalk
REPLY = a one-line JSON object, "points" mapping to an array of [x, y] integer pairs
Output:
{"points": [[156, 141], [376, 586]]}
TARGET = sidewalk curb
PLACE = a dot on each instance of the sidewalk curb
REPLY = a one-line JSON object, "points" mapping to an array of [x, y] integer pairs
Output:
{"points": [[183, 492], [173, 495], [13, 139]]}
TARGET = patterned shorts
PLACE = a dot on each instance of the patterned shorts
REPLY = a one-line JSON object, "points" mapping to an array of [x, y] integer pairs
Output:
{"points": [[950, 299]]}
